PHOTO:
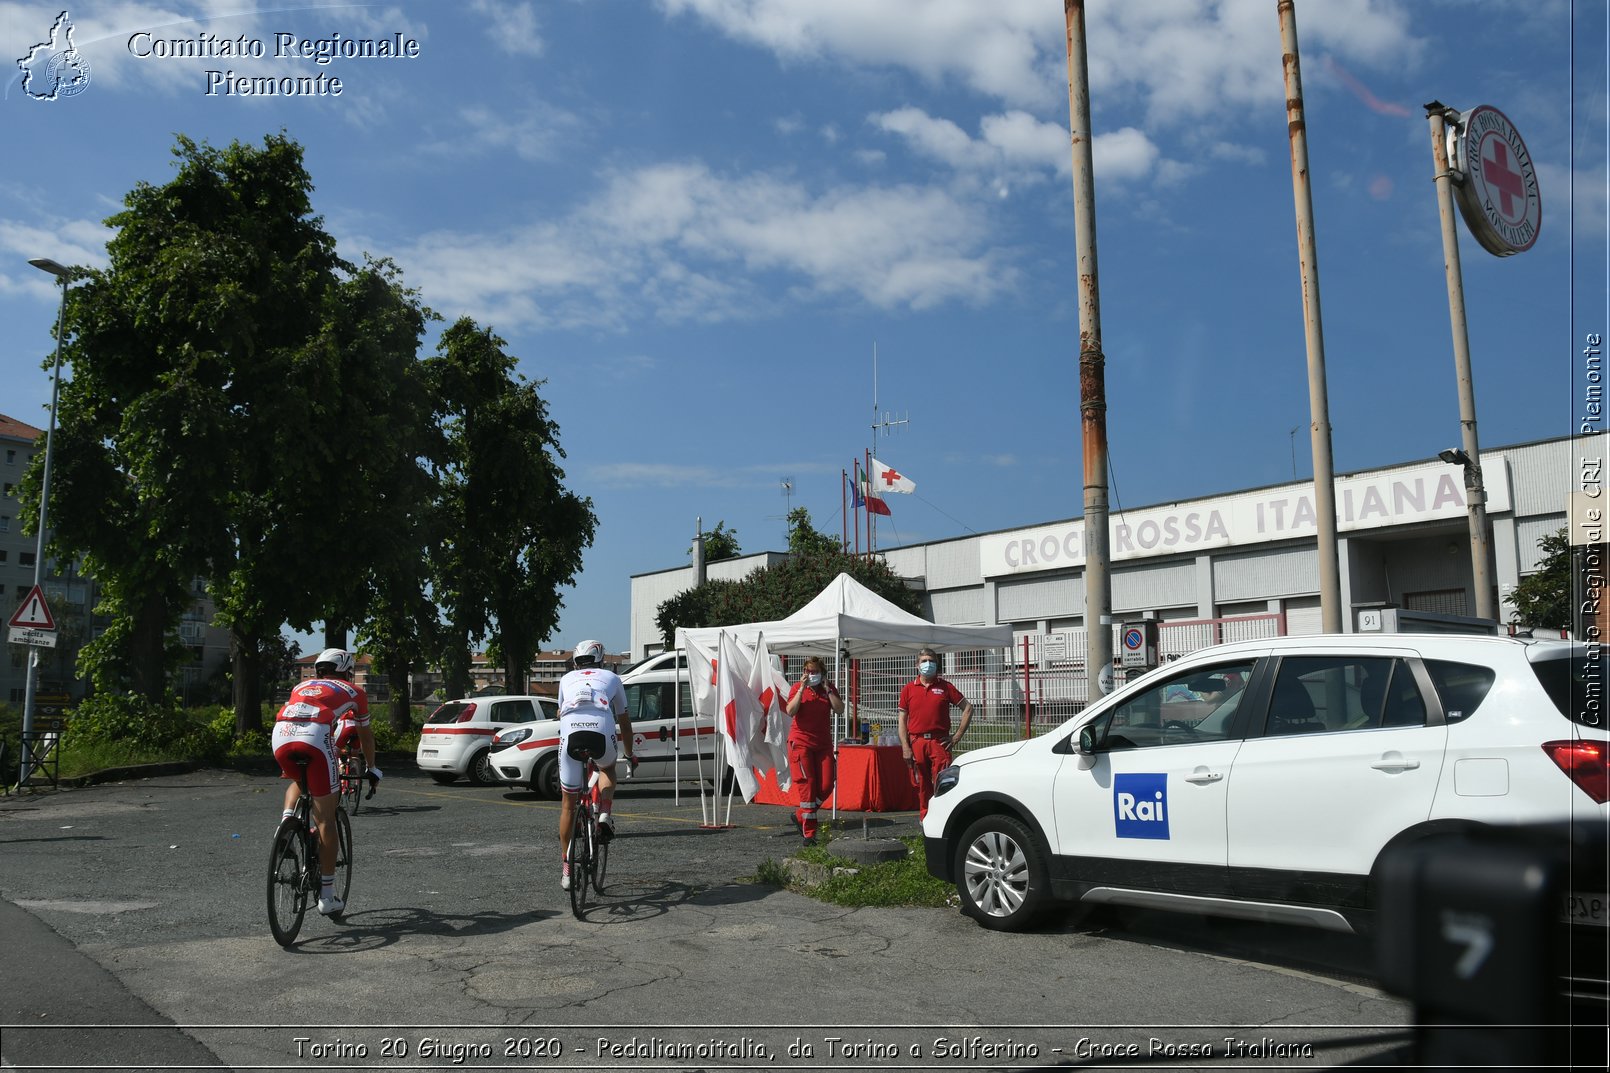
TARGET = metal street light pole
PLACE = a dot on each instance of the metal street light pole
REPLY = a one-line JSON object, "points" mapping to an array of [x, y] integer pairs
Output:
{"points": [[1481, 576], [44, 264]]}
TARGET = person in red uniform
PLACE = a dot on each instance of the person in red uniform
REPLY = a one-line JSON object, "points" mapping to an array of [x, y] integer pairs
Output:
{"points": [[924, 725], [812, 703]]}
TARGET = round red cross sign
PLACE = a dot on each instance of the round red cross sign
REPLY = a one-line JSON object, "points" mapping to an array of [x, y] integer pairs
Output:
{"points": [[1499, 196]]}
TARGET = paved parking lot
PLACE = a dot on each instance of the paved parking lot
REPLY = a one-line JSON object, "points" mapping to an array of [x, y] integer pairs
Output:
{"points": [[142, 903]]}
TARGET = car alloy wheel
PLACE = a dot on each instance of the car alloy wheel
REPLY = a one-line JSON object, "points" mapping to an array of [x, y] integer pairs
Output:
{"points": [[999, 875], [481, 773]]}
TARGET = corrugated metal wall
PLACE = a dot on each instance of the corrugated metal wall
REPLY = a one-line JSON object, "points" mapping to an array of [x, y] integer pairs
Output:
{"points": [[1539, 475], [1031, 599], [1529, 532], [1148, 588], [1266, 574]]}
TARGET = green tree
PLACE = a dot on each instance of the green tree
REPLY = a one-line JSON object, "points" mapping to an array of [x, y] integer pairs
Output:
{"points": [[804, 539], [186, 416], [719, 543], [770, 593], [1544, 598], [513, 535]]}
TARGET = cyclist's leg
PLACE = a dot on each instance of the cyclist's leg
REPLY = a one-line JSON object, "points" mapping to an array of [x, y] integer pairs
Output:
{"points": [[606, 776], [286, 744]]}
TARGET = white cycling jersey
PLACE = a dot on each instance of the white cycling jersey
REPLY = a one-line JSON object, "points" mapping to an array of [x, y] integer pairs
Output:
{"points": [[590, 698]]}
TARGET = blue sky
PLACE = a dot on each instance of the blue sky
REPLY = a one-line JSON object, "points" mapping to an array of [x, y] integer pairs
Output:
{"points": [[696, 219]]}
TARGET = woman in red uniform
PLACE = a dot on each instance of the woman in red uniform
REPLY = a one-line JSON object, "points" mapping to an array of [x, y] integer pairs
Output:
{"points": [[812, 703]]}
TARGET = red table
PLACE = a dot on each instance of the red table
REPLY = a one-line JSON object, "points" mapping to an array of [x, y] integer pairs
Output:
{"points": [[871, 778]]}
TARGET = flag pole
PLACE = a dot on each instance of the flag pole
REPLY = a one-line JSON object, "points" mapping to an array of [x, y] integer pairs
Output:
{"points": [[844, 515]]}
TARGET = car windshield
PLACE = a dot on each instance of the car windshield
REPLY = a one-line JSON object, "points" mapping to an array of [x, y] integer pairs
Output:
{"points": [[447, 713], [1574, 683]]}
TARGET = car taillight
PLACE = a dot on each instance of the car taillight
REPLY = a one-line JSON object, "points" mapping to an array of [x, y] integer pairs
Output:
{"points": [[1584, 762], [467, 714]]}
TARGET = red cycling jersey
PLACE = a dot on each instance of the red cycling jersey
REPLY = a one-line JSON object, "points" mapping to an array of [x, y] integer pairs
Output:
{"points": [[326, 700]]}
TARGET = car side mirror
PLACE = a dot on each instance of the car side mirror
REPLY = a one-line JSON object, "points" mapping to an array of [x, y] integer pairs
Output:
{"points": [[1087, 740]]}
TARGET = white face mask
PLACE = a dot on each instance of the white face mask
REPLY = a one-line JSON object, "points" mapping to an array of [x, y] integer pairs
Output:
{"points": [[928, 667], [813, 680]]}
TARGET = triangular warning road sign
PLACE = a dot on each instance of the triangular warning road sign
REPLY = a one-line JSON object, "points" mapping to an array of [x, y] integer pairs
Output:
{"points": [[34, 613]]}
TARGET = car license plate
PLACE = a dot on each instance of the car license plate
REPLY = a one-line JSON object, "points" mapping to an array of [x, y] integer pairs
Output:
{"points": [[1588, 909], [427, 752]]}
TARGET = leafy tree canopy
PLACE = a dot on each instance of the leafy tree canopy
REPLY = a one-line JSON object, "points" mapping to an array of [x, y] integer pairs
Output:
{"points": [[770, 593], [1544, 598]]}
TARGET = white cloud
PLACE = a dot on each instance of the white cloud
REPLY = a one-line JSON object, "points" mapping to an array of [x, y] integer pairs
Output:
{"points": [[512, 27], [1181, 59], [995, 47], [678, 242], [1018, 145], [538, 132]]}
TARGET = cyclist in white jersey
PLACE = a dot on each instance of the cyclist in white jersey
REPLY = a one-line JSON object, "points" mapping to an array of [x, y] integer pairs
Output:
{"points": [[591, 698]]}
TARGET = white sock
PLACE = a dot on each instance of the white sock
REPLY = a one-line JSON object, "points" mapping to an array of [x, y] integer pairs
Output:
{"points": [[603, 817]]}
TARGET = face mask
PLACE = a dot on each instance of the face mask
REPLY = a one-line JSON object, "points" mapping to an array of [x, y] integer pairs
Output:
{"points": [[813, 680], [928, 667]]}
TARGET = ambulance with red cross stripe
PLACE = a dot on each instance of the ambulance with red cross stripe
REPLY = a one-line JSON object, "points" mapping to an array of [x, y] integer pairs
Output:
{"points": [[668, 739]]}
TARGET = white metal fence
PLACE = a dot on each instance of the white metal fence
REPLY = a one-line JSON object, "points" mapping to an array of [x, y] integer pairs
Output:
{"points": [[1028, 689]]}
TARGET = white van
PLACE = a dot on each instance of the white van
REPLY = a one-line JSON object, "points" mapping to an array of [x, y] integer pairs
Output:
{"points": [[668, 747]]}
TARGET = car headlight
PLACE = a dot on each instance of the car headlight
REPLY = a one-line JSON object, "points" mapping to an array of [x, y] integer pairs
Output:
{"points": [[511, 737], [947, 780]]}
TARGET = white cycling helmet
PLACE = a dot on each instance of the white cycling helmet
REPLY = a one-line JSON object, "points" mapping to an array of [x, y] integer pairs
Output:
{"points": [[339, 659], [589, 654]]}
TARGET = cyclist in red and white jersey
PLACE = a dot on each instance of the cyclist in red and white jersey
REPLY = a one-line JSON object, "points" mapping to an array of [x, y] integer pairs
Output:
{"points": [[591, 699], [304, 727]]}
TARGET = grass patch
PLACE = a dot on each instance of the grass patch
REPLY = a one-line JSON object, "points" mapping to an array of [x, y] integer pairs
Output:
{"points": [[904, 882]]}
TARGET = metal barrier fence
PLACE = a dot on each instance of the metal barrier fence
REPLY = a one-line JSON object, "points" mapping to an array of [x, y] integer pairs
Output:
{"points": [[1031, 688]]}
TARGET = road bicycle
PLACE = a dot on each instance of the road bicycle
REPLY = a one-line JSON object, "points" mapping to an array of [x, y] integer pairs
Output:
{"points": [[589, 853], [293, 865], [354, 771]]}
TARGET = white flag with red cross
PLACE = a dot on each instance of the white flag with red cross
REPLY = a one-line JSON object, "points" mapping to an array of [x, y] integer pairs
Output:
{"points": [[768, 738], [886, 479], [737, 711]]}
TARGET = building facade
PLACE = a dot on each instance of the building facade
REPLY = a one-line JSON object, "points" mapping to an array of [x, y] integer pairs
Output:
{"points": [[72, 596], [1402, 538]]}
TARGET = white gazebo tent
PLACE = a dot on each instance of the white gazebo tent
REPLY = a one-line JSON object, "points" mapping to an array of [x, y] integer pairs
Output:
{"points": [[847, 620]]}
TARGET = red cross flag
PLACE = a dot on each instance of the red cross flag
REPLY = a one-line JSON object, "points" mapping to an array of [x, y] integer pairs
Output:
{"points": [[888, 479]]}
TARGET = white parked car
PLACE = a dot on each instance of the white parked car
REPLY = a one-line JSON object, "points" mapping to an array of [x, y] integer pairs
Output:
{"points": [[1264, 779], [457, 738], [529, 755]]}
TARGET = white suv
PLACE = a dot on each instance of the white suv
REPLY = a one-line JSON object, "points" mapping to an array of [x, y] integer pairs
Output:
{"points": [[457, 738], [666, 746], [1264, 779]]}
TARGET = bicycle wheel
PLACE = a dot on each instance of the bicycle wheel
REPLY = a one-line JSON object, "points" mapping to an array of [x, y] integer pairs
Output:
{"points": [[353, 770], [287, 893], [343, 858], [581, 860], [600, 847], [600, 865]]}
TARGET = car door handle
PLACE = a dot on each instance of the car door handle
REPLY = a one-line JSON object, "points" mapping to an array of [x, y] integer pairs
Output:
{"points": [[665, 732], [1202, 777], [1388, 763]]}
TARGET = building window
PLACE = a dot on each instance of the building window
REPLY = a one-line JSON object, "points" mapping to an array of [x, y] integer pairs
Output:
{"points": [[11, 458], [5, 523], [25, 558], [11, 489], [4, 555]]}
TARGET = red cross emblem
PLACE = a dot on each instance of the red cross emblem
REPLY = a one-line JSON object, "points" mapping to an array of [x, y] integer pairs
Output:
{"points": [[1496, 169]]}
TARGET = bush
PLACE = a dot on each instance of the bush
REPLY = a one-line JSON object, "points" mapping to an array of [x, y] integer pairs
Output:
{"points": [[129, 720]]}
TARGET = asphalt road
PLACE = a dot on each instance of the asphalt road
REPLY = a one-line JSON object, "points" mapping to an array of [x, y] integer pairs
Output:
{"points": [[133, 934]]}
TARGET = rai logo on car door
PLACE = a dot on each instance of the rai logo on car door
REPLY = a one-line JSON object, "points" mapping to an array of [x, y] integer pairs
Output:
{"points": [[1140, 805]]}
